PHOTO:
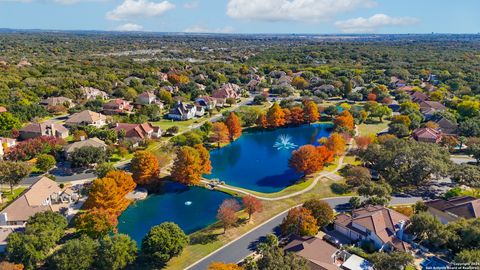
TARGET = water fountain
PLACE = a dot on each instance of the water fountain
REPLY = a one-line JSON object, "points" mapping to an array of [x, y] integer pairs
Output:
{"points": [[187, 203], [284, 142]]}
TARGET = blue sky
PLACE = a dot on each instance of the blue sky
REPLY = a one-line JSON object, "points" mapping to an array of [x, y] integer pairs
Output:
{"points": [[245, 16]]}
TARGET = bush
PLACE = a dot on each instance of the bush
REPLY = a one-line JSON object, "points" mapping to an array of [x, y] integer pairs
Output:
{"points": [[45, 162], [340, 188]]}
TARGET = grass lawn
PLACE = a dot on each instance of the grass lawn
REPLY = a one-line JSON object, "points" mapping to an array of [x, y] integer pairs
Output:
{"points": [[10, 196], [165, 124], [373, 128], [211, 238]]}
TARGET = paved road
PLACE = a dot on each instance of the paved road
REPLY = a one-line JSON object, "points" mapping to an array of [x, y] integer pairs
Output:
{"points": [[245, 245]]}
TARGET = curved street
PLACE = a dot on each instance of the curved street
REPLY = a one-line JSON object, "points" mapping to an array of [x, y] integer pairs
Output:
{"points": [[243, 246]]}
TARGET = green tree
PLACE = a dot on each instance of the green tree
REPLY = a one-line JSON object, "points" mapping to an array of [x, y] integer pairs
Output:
{"points": [[116, 252], [429, 229], [162, 243], [103, 168], [474, 150], [42, 232], [23, 248], [321, 211], [87, 155], [8, 122], [12, 172], [407, 163], [75, 254], [388, 261], [355, 202], [465, 174], [45, 162], [468, 256], [165, 97]]}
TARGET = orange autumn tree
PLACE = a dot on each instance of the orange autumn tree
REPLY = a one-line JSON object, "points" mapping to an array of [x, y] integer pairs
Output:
{"points": [[262, 121], [275, 116], [227, 213], [224, 266], [220, 133], [205, 162], [288, 115], [309, 159], [252, 205], [310, 112], [363, 141], [145, 168], [299, 221], [296, 116], [234, 127], [335, 143], [344, 120], [97, 222], [188, 166], [108, 193]]}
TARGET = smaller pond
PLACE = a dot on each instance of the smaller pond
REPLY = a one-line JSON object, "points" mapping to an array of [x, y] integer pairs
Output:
{"points": [[192, 208]]}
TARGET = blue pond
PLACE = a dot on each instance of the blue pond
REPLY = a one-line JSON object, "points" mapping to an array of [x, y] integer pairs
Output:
{"points": [[253, 162], [192, 208]]}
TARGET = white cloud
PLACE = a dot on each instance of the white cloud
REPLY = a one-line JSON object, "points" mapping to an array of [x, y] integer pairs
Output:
{"points": [[292, 10], [129, 27], [203, 29], [371, 25], [191, 5], [139, 8]]}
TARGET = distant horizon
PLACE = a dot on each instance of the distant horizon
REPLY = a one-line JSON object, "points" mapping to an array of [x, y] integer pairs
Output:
{"points": [[244, 16], [231, 33]]}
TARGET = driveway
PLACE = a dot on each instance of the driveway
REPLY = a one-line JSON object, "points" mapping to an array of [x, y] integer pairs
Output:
{"points": [[245, 245]]}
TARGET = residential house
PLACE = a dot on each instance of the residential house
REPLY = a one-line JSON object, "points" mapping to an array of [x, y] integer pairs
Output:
{"points": [[43, 195], [277, 74], [254, 85], [93, 93], [328, 89], [227, 91], [163, 77], [92, 142], [406, 88], [171, 89], [428, 108], [87, 118], [24, 63], [6, 143], [323, 256], [208, 103], [129, 79], [34, 130], [3, 109], [117, 106], [319, 254], [454, 208], [148, 98], [381, 225], [417, 96], [199, 111], [58, 101], [426, 134], [182, 111], [139, 131], [447, 126], [397, 82]]}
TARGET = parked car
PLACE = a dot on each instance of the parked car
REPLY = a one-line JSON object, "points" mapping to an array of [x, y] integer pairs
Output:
{"points": [[332, 240]]}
